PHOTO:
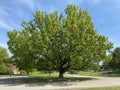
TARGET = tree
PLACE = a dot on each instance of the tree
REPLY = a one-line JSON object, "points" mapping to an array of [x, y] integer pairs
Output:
{"points": [[105, 64], [21, 48], [114, 64], [3, 60], [65, 42]]}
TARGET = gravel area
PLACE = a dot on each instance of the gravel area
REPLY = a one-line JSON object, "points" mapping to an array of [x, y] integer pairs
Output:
{"points": [[14, 83]]}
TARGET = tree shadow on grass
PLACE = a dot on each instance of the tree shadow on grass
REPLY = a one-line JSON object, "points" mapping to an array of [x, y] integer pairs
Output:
{"points": [[54, 81], [12, 80], [40, 81], [111, 74]]}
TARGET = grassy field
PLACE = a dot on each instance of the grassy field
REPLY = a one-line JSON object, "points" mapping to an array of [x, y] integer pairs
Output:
{"points": [[42, 76], [42, 73], [107, 88], [50, 77], [36, 73], [103, 88], [83, 73], [53, 79], [103, 73]]}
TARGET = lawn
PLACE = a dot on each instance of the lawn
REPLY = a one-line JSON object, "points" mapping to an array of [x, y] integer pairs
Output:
{"points": [[100, 88], [83, 73], [42, 73], [34, 79], [102, 73], [36, 73], [106, 88], [50, 77]]}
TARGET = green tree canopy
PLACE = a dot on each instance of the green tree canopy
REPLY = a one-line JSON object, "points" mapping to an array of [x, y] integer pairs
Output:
{"points": [[114, 64], [59, 42], [3, 60], [20, 45]]}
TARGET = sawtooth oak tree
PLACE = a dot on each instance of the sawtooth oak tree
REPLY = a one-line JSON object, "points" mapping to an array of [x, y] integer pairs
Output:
{"points": [[59, 42]]}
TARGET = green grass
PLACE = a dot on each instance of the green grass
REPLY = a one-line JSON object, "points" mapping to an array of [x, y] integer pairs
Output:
{"points": [[42, 73], [103, 73], [50, 77], [83, 73], [88, 73], [36, 73], [100, 88], [112, 74], [42, 76], [4, 75], [37, 79], [106, 88]]}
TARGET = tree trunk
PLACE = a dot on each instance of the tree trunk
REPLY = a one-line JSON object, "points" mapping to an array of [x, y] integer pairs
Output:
{"points": [[61, 74], [28, 73]]}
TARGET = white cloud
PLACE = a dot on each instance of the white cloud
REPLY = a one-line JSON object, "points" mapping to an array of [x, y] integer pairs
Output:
{"points": [[74, 1], [94, 2], [29, 3], [3, 11], [19, 13], [5, 25], [5, 21], [51, 9]]}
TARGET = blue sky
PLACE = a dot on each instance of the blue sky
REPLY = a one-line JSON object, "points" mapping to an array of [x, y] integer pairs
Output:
{"points": [[105, 15]]}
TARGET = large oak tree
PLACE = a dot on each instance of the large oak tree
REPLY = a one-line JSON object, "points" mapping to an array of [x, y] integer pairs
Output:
{"points": [[60, 42]]}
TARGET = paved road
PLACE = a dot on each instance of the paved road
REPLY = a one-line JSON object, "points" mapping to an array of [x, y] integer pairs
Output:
{"points": [[14, 83]]}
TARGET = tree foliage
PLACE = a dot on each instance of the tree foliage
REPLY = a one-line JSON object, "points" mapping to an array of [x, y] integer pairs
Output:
{"points": [[114, 64], [58, 42], [4, 59], [20, 45]]}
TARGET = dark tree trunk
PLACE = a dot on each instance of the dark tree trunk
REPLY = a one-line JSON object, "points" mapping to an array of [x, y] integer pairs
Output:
{"points": [[63, 66], [61, 74]]}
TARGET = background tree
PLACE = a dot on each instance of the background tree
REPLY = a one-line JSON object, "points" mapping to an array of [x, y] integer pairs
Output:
{"points": [[64, 42], [4, 60], [105, 64], [114, 64]]}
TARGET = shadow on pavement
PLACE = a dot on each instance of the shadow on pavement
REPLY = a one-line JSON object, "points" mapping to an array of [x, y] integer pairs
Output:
{"points": [[16, 81], [11, 80]]}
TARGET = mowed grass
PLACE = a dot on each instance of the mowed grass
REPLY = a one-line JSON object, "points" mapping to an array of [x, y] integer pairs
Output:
{"points": [[100, 88], [82, 73], [37, 79], [103, 73], [42, 76], [4, 75], [51, 77], [42, 73], [36, 73], [106, 88]]}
